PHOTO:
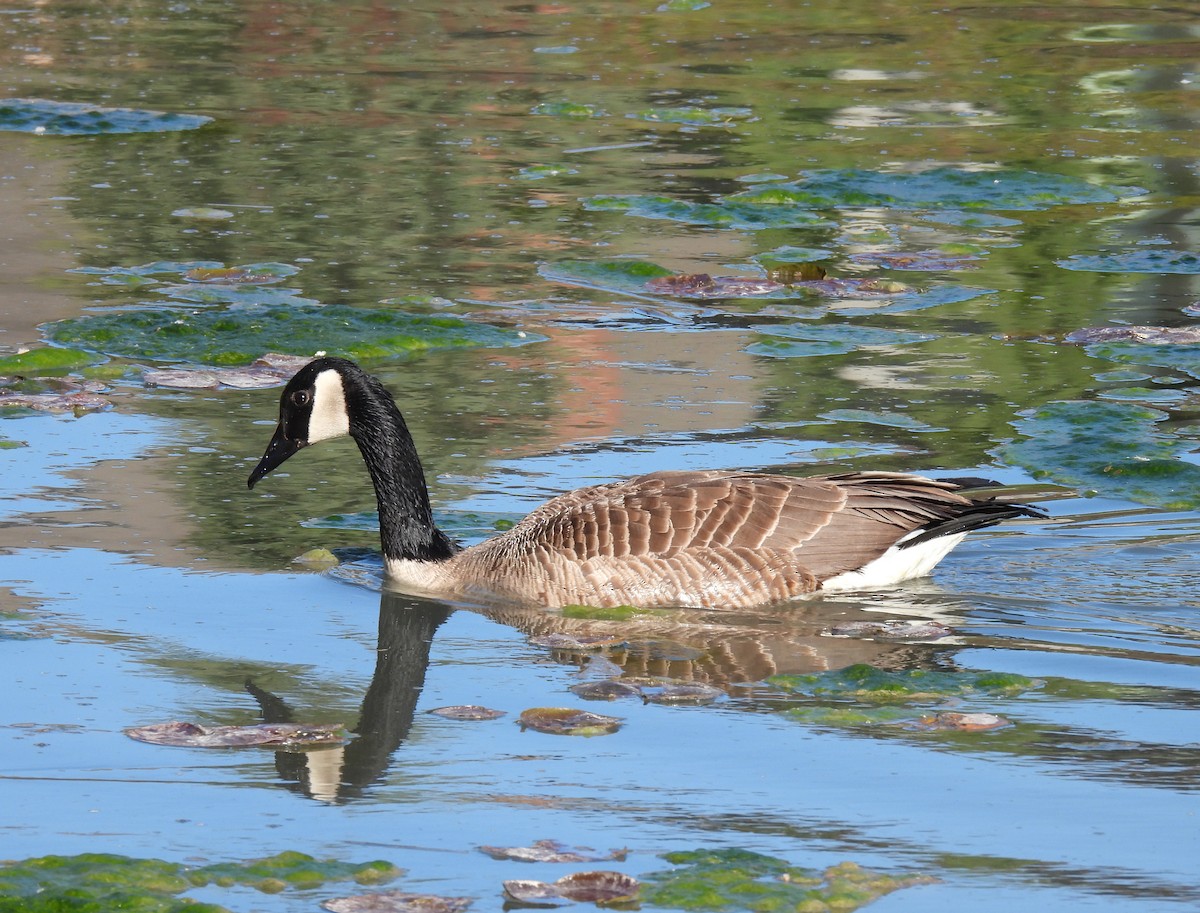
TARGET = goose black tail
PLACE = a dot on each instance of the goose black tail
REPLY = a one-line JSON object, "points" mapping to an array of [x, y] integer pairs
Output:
{"points": [[977, 516]]}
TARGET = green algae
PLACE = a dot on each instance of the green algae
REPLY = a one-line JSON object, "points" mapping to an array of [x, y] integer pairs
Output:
{"points": [[46, 359], [737, 879], [869, 684], [609, 613], [238, 337], [1109, 448], [100, 882], [567, 109]]}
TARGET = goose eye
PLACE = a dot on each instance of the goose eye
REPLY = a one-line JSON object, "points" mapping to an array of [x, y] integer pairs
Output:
{"points": [[301, 398]]}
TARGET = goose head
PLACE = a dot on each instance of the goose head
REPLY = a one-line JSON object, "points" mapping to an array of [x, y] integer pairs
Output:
{"points": [[312, 408]]}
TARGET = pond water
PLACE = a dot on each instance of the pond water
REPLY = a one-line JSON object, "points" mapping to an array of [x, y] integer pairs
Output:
{"points": [[623, 237]]}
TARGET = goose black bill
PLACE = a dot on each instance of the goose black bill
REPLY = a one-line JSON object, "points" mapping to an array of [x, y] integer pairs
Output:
{"points": [[279, 450]]}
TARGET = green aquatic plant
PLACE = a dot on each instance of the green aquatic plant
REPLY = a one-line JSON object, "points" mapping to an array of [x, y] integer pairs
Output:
{"points": [[239, 336], [737, 879], [1144, 260], [742, 213], [101, 882], [46, 359], [870, 684], [1110, 448]]}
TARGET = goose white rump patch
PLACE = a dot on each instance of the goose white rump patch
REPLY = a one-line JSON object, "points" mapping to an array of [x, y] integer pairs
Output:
{"points": [[896, 564]]}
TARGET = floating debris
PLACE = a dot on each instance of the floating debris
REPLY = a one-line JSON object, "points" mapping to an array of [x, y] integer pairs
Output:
{"points": [[552, 851], [601, 888], [272, 735], [568, 721], [75, 401], [1147, 335], [670, 691], [960, 722], [892, 630], [608, 689], [396, 902]]}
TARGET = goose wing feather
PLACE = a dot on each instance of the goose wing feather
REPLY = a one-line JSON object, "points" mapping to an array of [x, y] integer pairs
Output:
{"points": [[827, 524]]}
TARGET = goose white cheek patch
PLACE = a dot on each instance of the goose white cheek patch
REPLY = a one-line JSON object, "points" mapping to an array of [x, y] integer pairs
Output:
{"points": [[330, 417]]}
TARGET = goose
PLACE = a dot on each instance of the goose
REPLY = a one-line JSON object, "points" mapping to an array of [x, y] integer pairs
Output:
{"points": [[706, 538]]}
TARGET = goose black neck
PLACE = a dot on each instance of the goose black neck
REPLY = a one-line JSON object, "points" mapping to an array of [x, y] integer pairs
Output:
{"points": [[406, 527]]}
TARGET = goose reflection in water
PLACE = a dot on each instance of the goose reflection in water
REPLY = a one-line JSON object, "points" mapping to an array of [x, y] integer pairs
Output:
{"points": [[718, 648]]}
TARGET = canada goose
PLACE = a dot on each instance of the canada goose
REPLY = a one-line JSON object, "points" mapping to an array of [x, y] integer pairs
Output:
{"points": [[711, 538]]}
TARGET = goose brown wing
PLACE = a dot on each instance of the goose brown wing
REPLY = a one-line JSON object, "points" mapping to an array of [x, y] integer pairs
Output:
{"points": [[831, 523]]}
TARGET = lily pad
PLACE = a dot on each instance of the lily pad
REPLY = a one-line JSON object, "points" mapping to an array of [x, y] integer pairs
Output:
{"points": [[280, 736], [468, 712], [42, 116], [76, 401], [729, 880], [885, 419], [1111, 448], [397, 902], [955, 721], [254, 274], [568, 721], [696, 117], [746, 214], [272, 370], [703, 286], [949, 188], [567, 109], [826, 339], [1142, 260], [551, 851], [602, 888], [608, 689], [863, 682], [225, 338], [922, 260], [541, 172]]}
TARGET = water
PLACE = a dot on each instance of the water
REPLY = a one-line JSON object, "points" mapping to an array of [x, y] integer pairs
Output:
{"points": [[456, 160]]}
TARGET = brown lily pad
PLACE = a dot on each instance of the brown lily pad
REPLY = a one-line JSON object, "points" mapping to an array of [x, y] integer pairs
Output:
{"points": [[669, 691], [568, 721], [270, 735], [76, 401], [600, 888], [608, 689], [953, 720], [923, 260], [892, 630], [550, 851], [396, 902], [468, 712], [1146, 335], [702, 285], [271, 370]]}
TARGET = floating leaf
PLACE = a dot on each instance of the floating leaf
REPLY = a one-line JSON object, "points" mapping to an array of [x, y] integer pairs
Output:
{"points": [[541, 172], [892, 630], [567, 109], [575, 643], [1111, 448], [568, 721], [702, 285], [886, 419], [77, 401], [733, 213], [923, 260], [602, 888], [678, 693], [273, 735], [787, 254], [397, 902], [44, 359], [1143, 260], [934, 188], [39, 115], [695, 117], [551, 851], [468, 712], [156, 268], [608, 689], [253, 273], [1145, 335], [683, 6], [272, 370], [863, 682], [735, 879], [203, 214], [955, 721], [238, 337]]}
